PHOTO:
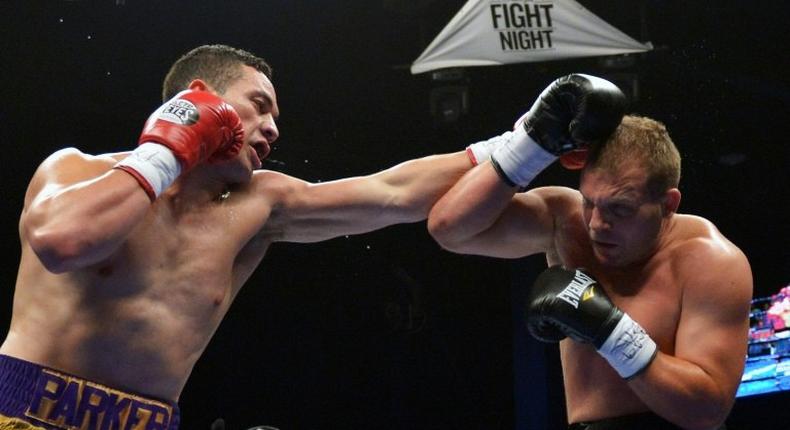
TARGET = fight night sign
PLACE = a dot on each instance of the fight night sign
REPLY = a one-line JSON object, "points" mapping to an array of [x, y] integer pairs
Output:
{"points": [[523, 25], [496, 32]]}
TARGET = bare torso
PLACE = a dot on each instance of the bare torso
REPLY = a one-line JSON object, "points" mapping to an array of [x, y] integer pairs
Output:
{"points": [[650, 293], [140, 320], [136, 310]]}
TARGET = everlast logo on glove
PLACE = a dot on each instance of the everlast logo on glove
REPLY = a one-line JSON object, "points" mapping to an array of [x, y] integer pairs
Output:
{"points": [[573, 292], [179, 111]]}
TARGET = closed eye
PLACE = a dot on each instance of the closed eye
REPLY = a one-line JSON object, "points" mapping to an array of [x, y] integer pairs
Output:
{"points": [[622, 211], [261, 106], [619, 210]]}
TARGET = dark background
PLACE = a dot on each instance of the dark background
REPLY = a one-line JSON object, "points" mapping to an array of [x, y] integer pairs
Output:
{"points": [[385, 330]]}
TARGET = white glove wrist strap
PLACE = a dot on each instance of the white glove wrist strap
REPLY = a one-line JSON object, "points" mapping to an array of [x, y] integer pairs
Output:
{"points": [[155, 163], [628, 349], [520, 158], [481, 151]]}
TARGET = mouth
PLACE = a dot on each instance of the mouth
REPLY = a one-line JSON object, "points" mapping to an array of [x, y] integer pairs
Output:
{"points": [[255, 158], [262, 150], [603, 245]]}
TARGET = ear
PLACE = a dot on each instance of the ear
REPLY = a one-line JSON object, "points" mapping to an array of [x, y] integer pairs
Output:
{"points": [[199, 85], [671, 201]]}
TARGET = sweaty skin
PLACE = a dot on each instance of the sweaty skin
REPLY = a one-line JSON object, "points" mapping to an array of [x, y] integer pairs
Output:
{"points": [[675, 274], [128, 293]]}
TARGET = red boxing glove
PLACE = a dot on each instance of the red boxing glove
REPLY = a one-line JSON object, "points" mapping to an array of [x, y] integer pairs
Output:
{"points": [[196, 126]]}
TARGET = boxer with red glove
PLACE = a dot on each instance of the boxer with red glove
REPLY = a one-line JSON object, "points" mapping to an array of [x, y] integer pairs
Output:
{"points": [[192, 127]]}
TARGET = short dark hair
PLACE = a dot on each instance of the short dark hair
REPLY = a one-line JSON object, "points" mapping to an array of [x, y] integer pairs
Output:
{"points": [[646, 141], [217, 65]]}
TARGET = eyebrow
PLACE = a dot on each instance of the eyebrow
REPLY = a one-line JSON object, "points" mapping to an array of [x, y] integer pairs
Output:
{"points": [[620, 198], [629, 195]]}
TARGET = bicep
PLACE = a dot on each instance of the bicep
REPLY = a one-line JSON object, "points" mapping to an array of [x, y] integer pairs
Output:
{"points": [[307, 212], [63, 169], [78, 210], [525, 227], [714, 323]]}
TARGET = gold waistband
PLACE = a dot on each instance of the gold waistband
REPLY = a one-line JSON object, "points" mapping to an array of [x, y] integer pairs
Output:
{"points": [[8, 423]]}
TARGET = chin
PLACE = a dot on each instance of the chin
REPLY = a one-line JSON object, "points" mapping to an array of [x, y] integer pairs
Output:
{"points": [[608, 260], [621, 260], [243, 177], [236, 173]]}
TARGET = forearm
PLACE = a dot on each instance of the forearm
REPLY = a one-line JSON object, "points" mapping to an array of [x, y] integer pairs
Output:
{"points": [[416, 185], [472, 206], [86, 222], [695, 391], [401, 194], [683, 393]]}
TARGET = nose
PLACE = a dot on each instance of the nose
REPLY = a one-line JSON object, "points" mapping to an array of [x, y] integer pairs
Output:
{"points": [[269, 130], [597, 220]]}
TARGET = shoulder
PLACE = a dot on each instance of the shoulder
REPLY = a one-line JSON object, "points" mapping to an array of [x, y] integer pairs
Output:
{"points": [[68, 160], [557, 193], [67, 166], [61, 157], [71, 154], [559, 199], [700, 237], [277, 188], [561, 203], [708, 262], [271, 181]]}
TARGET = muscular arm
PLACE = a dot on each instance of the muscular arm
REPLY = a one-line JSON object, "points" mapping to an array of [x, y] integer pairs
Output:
{"points": [[696, 387], [305, 212], [482, 215], [78, 210]]}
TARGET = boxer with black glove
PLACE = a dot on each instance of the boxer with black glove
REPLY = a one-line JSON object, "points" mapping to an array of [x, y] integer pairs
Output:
{"points": [[572, 303], [573, 112], [622, 223]]}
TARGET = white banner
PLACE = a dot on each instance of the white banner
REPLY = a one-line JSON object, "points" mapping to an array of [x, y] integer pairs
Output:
{"points": [[496, 32]]}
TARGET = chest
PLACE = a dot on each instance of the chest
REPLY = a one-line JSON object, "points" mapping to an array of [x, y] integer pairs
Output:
{"points": [[191, 258], [651, 295], [200, 242], [654, 301]]}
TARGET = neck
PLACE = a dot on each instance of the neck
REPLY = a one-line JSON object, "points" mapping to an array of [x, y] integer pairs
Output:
{"points": [[663, 239], [665, 233], [196, 189]]}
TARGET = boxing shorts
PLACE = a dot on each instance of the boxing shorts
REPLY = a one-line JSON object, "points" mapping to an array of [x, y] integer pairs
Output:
{"points": [[642, 421], [48, 399]]}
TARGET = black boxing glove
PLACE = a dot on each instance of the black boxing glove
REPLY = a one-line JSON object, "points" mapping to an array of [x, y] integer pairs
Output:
{"points": [[573, 112], [573, 303]]}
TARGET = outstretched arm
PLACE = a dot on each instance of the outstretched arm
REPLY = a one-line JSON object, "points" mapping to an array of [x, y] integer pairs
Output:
{"points": [[405, 193], [306, 212]]}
